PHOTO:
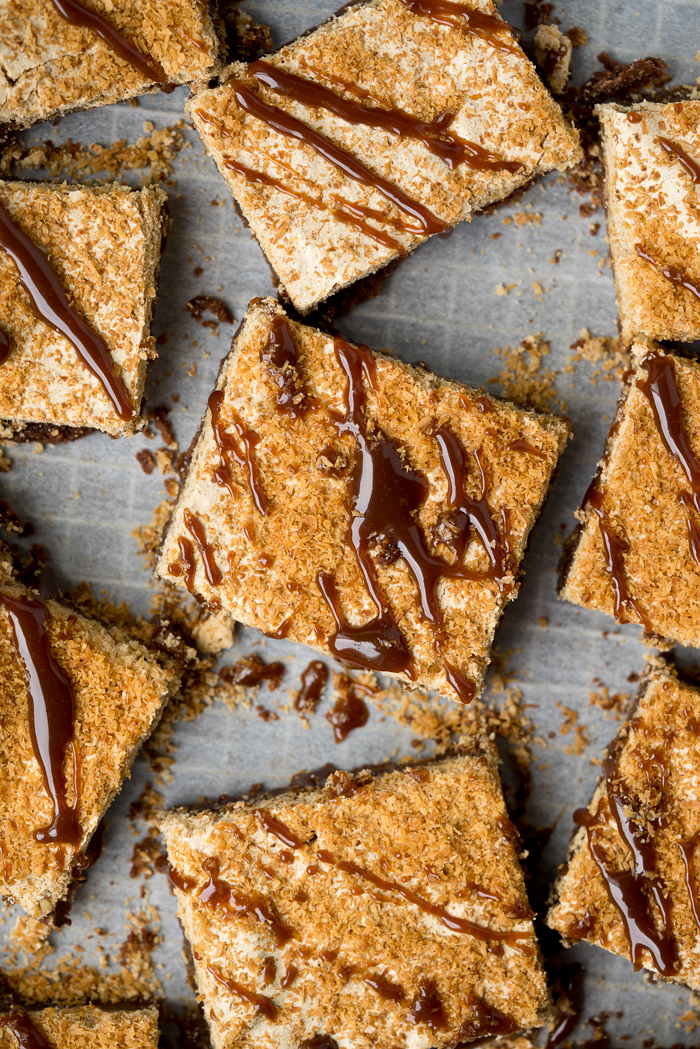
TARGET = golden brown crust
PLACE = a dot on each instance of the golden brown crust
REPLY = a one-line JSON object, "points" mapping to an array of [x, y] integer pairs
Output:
{"points": [[652, 201], [642, 485], [497, 99], [270, 563], [104, 245], [89, 1027], [49, 66], [658, 755], [119, 688], [440, 831]]}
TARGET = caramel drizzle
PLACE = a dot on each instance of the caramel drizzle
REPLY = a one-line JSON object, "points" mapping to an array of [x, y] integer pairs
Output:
{"points": [[51, 714], [264, 1006], [691, 166], [5, 346], [219, 894], [21, 1026], [671, 273], [428, 1008], [77, 14], [661, 390], [461, 16], [687, 851], [211, 569], [628, 889], [244, 460], [313, 681], [432, 134], [521, 445], [50, 304], [288, 125], [187, 559], [280, 357]]}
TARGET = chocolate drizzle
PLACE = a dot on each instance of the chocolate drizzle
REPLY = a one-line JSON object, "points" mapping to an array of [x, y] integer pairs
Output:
{"points": [[280, 357], [286, 124], [77, 14], [51, 714], [432, 134], [691, 166], [50, 303], [28, 1037], [632, 891], [245, 460], [349, 712], [460, 16], [671, 273], [211, 569]]}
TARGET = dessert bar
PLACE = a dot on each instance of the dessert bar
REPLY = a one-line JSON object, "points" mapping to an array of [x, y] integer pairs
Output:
{"points": [[80, 1027], [652, 174], [387, 911], [630, 883], [389, 123], [77, 701], [61, 55], [636, 552], [78, 270], [347, 501]]}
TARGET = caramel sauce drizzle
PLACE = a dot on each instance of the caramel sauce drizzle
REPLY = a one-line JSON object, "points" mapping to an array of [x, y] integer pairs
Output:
{"points": [[264, 1006], [5, 346], [572, 980], [521, 445], [350, 214], [313, 681], [51, 714], [50, 304], [319, 1041], [687, 851], [211, 569], [393, 992], [661, 390], [691, 166], [428, 1008], [280, 357], [27, 1035], [631, 891], [277, 828], [77, 14], [244, 460], [286, 124], [671, 273], [349, 713], [488, 1022], [432, 134], [461, 16], [223, 897]]}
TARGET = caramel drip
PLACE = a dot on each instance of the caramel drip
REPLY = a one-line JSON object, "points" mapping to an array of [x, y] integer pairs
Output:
{"points": [[224, 898], [349, 713], [180, 881], [687, 850], [393, 992], [635, 118], [280, 830], [461, 16], [187, 559], [283, 629], [51, 714], [211, 569], [281, 358], [21, 1026], [630, 890], [77, 14], [319, 1041], [263, 1006], [251, 672], [245, 460], [571, 980], [288, 125], [313, 681], [521, 445], [691, 166], [615, 548], [351, 214], [50, 304], [427, 1007], [450, 921], [5, 346], [671, 273], [432, 134], [487, 1023]]}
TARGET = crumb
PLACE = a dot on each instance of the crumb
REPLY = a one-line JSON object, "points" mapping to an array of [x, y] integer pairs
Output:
{"points": [[146, 460], [202, 304], [610, 353], [522, 379]]}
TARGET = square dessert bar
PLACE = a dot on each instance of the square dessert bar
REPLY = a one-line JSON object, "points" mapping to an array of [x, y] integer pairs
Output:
{"points": [[78, 270], [80, 1027], [652, 178], [61, 55], [387, 912], [636, 552], [630, 883], [77, 700], [389, 123], [355, 504]]}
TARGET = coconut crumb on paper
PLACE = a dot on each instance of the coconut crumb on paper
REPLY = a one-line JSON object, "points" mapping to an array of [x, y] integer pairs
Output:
{"points": [[30, 938], [616, 703], [614, 359], [523, 379], [570, 723]]}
